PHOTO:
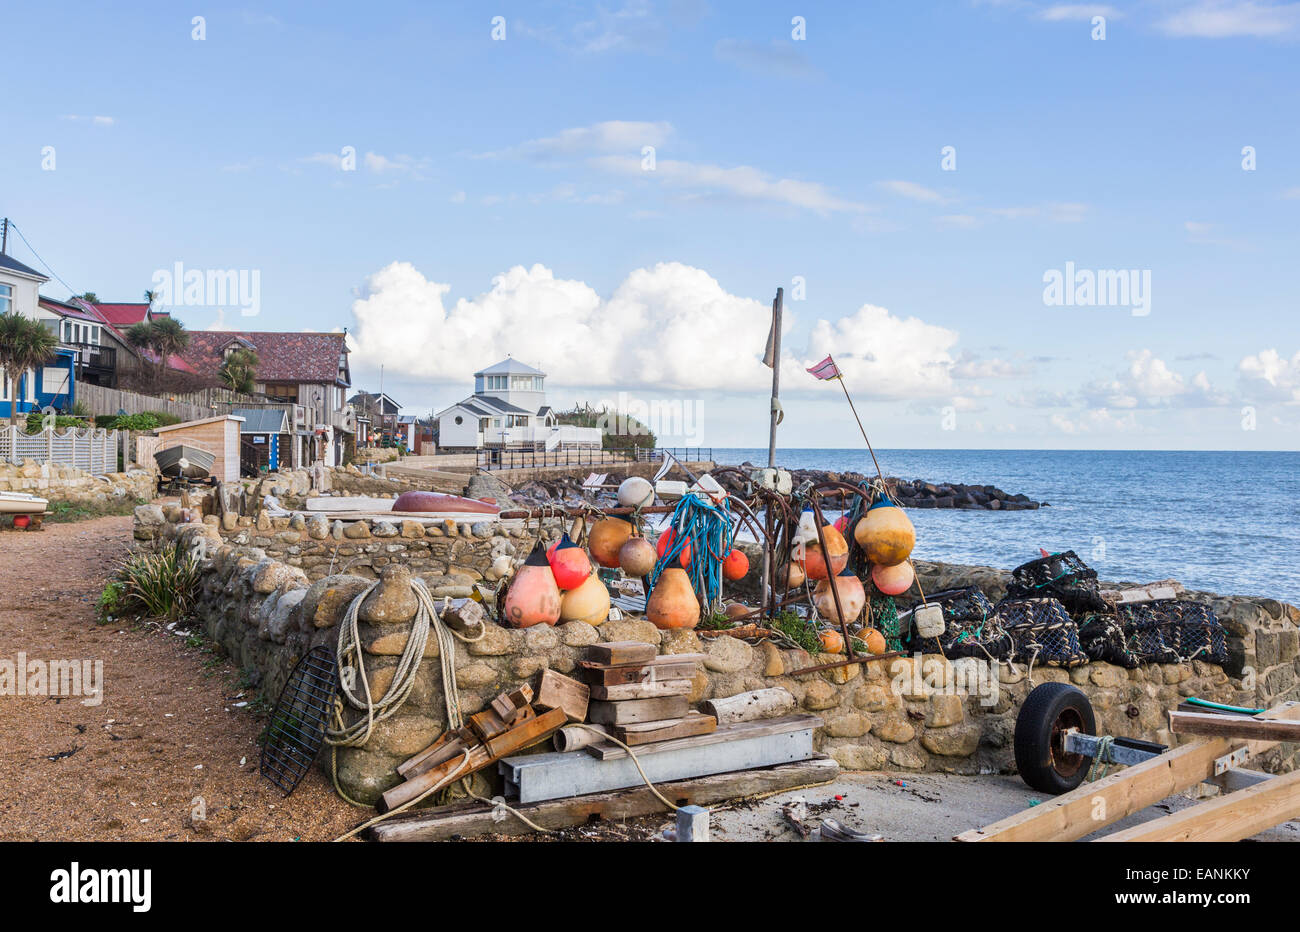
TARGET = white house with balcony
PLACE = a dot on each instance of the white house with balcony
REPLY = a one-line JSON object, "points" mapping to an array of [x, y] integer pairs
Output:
{"points": [[508, 410]]}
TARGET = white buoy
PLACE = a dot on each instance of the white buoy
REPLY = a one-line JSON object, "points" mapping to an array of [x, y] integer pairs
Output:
{"points": [[929, 621], [635, 492]]}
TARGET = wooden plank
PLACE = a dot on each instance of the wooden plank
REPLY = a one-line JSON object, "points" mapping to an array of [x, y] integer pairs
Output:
{"points": [[555, 691], [638, 710], [650, 690], [720, 735], [552, 776], [1232, 726], [470, 819], [1231, 817], [651, 732], [639, 673], [621, 652], [1094, 805]]}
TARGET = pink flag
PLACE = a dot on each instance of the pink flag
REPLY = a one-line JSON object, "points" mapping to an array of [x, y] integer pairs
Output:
{"points": [[826, 369]]}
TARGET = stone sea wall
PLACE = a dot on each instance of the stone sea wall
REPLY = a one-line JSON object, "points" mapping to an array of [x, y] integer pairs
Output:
{"points": [[69, 484], [273, 590]]}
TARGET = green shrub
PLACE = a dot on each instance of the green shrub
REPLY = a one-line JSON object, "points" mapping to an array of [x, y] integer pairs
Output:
{"points": [[105, 421], [161, 585], [36, 422], [146, 421], [165, 418], [112, 602]]}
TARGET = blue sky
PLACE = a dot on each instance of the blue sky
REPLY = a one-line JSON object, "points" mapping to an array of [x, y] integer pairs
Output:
{"points": [[501, 203]]}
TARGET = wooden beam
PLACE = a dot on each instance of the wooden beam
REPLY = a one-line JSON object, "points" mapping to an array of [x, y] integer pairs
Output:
{"points": [[1092, 806], [469, 819], [1226, 818], [1232, 726]]}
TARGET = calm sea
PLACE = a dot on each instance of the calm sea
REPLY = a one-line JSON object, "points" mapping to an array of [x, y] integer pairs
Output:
{"points": [[1225, 522]]}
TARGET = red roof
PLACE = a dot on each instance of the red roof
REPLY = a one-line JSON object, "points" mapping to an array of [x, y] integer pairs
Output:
{"points": [[281, 357], [123, 315]]}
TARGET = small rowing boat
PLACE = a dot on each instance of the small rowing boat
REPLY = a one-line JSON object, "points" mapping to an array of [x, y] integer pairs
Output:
{"points": [[21, 503]]}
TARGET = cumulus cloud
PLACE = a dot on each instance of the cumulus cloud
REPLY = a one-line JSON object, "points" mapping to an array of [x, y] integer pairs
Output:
{"points": [[1148, 382], [1223, 19], [1062, 12], [971, 366], [1098, 420], [1272, 376], [913, 191], [671, 327]]}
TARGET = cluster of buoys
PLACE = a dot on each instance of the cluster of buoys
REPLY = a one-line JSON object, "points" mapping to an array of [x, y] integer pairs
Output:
{"points": [[556, 584], [885, 533]]}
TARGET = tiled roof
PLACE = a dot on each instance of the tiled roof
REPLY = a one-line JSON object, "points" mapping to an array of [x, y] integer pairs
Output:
{"points": [[281, 357], [123, 315], [9, 262]]}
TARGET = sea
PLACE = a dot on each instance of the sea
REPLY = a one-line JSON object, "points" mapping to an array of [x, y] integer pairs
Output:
{"points": [[1226, 522]]}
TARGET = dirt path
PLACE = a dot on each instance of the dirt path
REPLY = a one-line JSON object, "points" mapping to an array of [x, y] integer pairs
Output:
{"points": [[167, 732]]}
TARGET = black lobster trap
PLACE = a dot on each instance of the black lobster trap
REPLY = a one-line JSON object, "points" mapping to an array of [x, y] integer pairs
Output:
{"points": [[297, 729], [1042, 631], [971, 627], [1060, 576]]}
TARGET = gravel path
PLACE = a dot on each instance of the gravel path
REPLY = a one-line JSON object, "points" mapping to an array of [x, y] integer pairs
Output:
{"points": [[167, 734]]}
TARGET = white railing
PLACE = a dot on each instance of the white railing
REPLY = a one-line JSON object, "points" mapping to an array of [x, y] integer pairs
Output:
{"points": [[90, 449]]}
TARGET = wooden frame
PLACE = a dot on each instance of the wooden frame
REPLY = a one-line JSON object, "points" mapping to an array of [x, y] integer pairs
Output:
{"points": [[1093, 806]]}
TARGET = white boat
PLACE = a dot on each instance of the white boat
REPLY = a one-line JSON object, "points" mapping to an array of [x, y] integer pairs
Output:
{"points": [[20, 503]]}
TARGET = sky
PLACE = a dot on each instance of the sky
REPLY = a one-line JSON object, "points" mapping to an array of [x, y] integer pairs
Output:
{"points": [[1013, 224]]}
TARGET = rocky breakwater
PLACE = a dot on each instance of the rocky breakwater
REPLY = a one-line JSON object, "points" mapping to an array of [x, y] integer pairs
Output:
{"points": [[918, 493]]}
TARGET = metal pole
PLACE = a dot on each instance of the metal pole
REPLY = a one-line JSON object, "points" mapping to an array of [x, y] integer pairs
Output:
{"points": [[777, 303]]}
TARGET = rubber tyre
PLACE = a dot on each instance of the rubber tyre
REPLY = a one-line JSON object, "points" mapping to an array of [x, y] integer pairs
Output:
{"points": [[1047, 711]]}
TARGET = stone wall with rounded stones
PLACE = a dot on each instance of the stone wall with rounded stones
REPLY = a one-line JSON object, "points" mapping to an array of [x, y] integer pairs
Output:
{"points": [[907, 714], [70, 484]]}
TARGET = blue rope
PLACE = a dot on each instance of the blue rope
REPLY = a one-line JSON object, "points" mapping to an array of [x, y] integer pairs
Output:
{"points": [[710, 531]]}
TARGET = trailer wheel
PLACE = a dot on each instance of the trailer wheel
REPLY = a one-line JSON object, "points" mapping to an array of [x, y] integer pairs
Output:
{"points": [[1049, 712]]}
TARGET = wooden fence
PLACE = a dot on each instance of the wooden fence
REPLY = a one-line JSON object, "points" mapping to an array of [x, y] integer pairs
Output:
{"points": [[90, 449], [188, 406]]}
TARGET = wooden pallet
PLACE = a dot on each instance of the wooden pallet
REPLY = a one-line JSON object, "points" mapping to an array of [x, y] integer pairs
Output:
{"points": [[1265, 802]]}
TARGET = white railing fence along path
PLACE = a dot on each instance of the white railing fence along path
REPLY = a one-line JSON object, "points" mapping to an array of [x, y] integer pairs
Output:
{"points": [[91, 449]]}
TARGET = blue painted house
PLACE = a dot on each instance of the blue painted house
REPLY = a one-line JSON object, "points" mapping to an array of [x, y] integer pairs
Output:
{"points": [[51, 385]]}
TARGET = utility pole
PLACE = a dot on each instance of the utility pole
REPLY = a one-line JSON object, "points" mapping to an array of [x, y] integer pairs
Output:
{"points": [[768, 593], [4, 240]]}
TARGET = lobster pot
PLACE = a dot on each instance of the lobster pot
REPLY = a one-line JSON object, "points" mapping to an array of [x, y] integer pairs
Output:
{"points": [[1151, 631], [1200, 635], [1061, 576], [1101, 634], [971, 627], [1042, 632]]}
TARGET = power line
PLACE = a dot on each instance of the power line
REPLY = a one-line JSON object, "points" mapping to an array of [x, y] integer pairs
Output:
{"points": [[71, 290]]}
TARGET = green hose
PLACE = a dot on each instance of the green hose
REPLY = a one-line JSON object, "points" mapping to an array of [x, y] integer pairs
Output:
{"points": [[1192, 700]]}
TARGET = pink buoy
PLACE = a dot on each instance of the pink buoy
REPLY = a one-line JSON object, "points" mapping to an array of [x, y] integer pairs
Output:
{"points": [[893, 580]]}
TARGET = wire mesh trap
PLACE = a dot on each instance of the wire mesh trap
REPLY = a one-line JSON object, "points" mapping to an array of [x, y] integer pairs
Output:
{"points": [[1043, 632], [1061, 576], [971, 627], [297, 729]]}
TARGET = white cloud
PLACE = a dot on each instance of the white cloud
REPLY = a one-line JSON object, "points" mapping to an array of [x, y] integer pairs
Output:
{"points": [[397, 165], [1040, 398], [1148, 382], [1271, 375], [742, 181], [1223, 19], [95, 120], [913, 191], [970, 366], [906, 359], [609, 136], [671, 327], [1062, 12], [1095, 421]]}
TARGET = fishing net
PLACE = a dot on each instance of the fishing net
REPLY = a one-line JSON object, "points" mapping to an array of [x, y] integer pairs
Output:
{"points": [[1169, 631], [884, 618], [1101, 635], [971, 627], [1061, 576], [1042, 632]]}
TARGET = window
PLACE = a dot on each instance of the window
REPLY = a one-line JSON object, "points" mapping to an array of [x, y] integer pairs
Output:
{"points": [[4, 384], [497, 383], [29, 386], [6, 298], [459, 420]]}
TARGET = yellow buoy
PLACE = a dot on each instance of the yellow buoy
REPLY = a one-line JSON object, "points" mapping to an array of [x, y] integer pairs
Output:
{"points": [[588, 602], [606, 537], [886, 533], [672, 602]]}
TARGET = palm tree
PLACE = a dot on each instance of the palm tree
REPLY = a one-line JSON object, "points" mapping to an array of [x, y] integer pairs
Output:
{"points": [[239, 370], [163, 337], [24, 344]]}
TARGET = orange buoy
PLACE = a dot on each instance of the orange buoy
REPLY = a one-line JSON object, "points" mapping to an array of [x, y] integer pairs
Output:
{"points": [[588, 602], [569, 563], [736, 609], [814, 564], [832, 640], [606, 537], [533, 597], [852, 597], [736, 565], [672, 602], [637, 556], [886, 533], [874, 640], [794, 575], [665, 544], [893, 580]]}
